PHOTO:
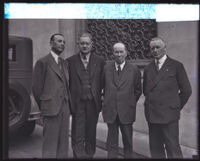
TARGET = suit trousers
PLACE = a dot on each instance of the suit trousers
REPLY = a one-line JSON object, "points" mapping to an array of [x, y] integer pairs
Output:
{"points": [[164, 140], [56, 134], [113, 139], [84, 123]]}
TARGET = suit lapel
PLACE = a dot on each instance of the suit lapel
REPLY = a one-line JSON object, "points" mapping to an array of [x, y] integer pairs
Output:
{"points": [[79, 65], [54, 66], [160, 74], [115, 75], [124, 73], [92, 65], [65, 69], [119, 80]]}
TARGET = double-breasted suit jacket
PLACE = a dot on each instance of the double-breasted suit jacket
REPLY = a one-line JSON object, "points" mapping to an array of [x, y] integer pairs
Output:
{"points": [[50, 86], [166, 92], [76, 69], [121, 93]]}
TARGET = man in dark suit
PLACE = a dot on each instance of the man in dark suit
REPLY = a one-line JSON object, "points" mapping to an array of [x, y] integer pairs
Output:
{"points": [[122, 82], [85, 72], [50, 90], [167, 89]]}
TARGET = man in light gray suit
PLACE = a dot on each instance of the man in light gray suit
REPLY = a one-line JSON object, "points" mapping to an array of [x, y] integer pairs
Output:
{"points": [[122, 89]]}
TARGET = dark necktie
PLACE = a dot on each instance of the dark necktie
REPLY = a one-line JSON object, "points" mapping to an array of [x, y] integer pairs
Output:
{"points": [[118, 69], [157, 65], [84, 56], [60, 63]]}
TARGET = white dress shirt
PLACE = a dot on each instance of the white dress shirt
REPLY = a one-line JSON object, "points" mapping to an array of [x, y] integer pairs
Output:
{"points": [[121, 65], [161, 61], [85, 61], [55, 56]]}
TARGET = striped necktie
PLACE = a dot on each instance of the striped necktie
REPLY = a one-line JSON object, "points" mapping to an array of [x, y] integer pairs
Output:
{"points": [[118, 69], [157, 65]]}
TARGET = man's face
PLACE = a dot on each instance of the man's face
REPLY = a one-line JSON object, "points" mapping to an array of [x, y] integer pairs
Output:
{"points": [[85, 44], [157, 48], [58, 44], [119, 52]]}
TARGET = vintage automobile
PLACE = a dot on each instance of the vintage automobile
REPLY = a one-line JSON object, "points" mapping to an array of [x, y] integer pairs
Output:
{"points": [[23, 111]]}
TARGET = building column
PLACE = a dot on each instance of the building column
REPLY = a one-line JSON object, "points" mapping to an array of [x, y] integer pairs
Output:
{"points": [[71, 28]]}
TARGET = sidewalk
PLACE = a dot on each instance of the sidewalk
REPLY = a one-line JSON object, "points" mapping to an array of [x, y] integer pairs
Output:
{"points": [[101, 151]]}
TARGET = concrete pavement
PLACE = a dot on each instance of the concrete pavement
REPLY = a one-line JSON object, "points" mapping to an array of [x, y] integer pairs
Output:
{"points": [[31, 147]]}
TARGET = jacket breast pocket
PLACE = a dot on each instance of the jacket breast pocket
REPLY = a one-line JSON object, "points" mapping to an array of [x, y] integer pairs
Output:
{"points": [[169, 76], [172, 75]]}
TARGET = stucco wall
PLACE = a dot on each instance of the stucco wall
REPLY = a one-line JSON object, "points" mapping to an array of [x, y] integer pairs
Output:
{"points": [[40, 31], [182, 40]]}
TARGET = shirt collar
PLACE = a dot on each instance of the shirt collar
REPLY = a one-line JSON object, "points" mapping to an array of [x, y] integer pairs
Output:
{"points": [[55, 56], [162, 60], [121, 65], [87, 56]]}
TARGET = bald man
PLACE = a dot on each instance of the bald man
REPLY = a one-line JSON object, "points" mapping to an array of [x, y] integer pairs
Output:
{"points": [[167, 89], [122, 89]]}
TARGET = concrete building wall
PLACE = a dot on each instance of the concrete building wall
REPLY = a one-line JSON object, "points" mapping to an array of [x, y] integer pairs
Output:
{"points": [[40, 31], [182, 44]]}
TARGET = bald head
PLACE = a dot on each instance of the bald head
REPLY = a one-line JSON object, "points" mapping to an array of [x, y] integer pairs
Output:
{"points": [[119, 45], [119, 52]]}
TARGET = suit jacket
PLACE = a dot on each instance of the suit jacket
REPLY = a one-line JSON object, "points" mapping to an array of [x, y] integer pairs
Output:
{"points": [[95, 68], [50, 88], [121, 93], [166, 92]]}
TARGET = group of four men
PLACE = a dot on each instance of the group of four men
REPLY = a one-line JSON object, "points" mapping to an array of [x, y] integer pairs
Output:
{"points": [[81, 84]]}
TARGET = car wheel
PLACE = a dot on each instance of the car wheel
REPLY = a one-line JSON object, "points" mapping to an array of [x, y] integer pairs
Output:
{"points": [[19, 106], [27, 129]]}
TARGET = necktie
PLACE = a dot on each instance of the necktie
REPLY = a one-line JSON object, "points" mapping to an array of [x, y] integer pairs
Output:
{"points": [[84, 56], [66, 91], [60, 62], [157, 65], [85, 61], [118, 69]]}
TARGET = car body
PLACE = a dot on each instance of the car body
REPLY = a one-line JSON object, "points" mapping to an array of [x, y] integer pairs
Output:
{"points": [[23, 111]]}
